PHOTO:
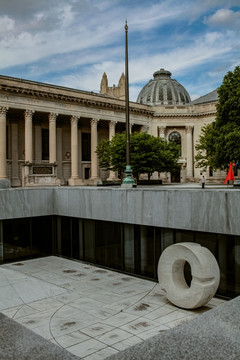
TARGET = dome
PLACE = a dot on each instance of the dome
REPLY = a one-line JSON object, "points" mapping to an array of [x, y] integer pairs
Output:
{"points": [[163, 90]]}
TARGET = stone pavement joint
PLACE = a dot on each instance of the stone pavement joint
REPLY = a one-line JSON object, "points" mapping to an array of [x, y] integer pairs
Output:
{"points": [[213, 335], [91, 312], [17, 342]]}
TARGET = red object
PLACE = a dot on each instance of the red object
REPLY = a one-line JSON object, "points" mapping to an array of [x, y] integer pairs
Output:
{"points": [[230, 175]]}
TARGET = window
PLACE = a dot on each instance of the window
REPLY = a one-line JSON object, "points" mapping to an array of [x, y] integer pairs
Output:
{"points": [[86, 173], [176, 137], [45, 144], [108, 240], [86, 147]]}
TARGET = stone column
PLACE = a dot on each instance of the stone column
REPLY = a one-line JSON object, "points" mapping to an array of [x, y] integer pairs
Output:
{"points": [[14, 142], [94, 160], [112, 125], [74, 180], [52, 138], [162, 130], [189, 130], [28, 136], [3, 151]]}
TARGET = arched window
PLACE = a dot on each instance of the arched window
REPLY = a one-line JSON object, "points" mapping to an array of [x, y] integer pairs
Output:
{"points": [[176, 137]]}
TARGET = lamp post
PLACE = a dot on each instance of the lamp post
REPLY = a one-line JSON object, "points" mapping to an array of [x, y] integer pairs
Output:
{"points": [[128, 180]]}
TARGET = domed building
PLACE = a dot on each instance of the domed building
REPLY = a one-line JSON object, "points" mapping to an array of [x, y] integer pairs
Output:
{"points": [[163, 90], [48, 138], [49, 133], [175, 117]]}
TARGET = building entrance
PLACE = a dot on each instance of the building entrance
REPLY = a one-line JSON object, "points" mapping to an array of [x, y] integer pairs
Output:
{"points": [[176, 176]]}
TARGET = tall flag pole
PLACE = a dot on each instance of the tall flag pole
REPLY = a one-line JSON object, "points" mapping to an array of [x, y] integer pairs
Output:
{"points": [[128, 180]]}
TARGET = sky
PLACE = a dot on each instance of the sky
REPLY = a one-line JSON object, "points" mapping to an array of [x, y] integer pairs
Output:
{"points": [[73, 42]]}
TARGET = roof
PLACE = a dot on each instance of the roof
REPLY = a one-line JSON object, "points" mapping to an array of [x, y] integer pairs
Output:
{"points": [[210, 97], [163, 90]]}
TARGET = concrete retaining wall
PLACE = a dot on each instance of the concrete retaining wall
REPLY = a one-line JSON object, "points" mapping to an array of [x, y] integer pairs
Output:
{"points": [[210, 210]]}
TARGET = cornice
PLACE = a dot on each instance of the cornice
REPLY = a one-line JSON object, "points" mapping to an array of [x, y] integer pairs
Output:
{"points": [[208, 113], [80, 100], [88, 99]]}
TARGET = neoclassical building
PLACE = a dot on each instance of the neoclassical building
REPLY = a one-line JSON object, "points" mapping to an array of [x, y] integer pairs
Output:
{"points": [[49, 133]]}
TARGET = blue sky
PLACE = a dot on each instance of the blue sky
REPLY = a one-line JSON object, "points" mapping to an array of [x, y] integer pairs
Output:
{"points": [[72, 42]]}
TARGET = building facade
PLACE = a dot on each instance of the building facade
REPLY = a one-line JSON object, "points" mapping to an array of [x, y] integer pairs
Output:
{"points": [[49, 134]]}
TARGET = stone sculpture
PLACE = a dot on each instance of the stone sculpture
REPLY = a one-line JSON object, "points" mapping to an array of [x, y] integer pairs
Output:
{"points": [[204, 269]]}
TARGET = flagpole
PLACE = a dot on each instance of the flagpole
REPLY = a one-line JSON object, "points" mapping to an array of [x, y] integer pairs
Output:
{"points": [[128, 180]]}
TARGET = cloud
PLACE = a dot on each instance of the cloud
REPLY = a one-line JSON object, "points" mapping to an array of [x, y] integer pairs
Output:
{"points": [[6, 25], [224, 18], [202, 50], [90, 78], [73, 42], [51, 28], [180, 61]]}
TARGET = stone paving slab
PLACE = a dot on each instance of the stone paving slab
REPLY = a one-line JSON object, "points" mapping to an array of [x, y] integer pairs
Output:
{"points": [[210, 336], [19, 343], [90, 311]]}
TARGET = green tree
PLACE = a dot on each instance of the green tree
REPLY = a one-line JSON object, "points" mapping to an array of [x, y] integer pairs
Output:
{"points": [[218, 144], [206, 147], [228, 107], [112, 154], [148, 154], [118, 153], [104, 154]]}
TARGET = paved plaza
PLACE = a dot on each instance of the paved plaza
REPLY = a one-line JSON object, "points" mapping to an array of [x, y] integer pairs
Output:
{"points": [[91, 312]]}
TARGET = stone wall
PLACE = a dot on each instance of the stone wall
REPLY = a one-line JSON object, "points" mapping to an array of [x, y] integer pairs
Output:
{"points": [[215, 211]]}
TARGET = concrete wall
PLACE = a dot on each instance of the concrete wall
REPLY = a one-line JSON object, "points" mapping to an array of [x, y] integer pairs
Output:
{"points": [[209, 210]]}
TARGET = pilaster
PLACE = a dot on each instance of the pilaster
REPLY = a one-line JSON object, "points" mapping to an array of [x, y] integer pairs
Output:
{"points": [[162, 131], [189, 131], [144, 128]]}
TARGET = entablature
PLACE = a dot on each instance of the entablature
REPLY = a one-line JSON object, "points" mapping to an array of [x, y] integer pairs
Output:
{"points": [[46, 92]]}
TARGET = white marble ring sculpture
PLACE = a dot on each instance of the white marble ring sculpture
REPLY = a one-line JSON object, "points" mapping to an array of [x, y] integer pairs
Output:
{"points": [[204, 269]]}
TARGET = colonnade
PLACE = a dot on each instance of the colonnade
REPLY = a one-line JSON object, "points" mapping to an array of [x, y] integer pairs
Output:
{"points": [[55, 147]]}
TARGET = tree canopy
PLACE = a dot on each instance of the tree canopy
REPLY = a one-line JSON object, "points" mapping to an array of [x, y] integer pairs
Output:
{"points": [[148, 154], [228, 107], [218, 144]]}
